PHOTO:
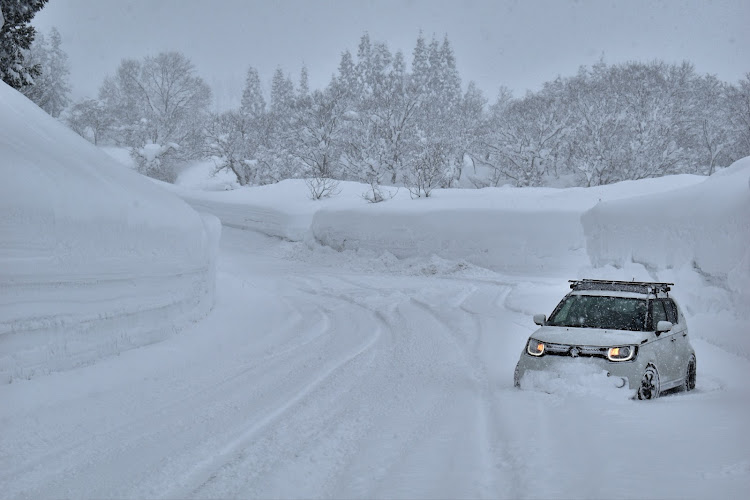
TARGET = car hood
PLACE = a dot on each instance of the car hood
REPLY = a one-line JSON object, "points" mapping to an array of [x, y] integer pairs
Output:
{"points": [[588, 336]]}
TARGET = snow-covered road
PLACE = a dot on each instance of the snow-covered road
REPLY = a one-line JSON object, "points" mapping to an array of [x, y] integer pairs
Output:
{"points": [[321, 377]]}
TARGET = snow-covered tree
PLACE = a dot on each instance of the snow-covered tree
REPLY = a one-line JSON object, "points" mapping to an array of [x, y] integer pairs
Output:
{"points": [[528, 136], [738, 104], [347, 77], [469, 127], [51, 89], [420, 66], [599, 140], [253, 102], [89, 119], [648, 95], [707, 138], [159, 101], [381, 134], [428, 169], [317, 129], [231, 139], [16, 36], [303, 89], [282, 93]]}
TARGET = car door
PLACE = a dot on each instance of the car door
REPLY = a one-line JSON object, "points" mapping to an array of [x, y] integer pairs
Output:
{"points": [[669, 347], [681, 334]]}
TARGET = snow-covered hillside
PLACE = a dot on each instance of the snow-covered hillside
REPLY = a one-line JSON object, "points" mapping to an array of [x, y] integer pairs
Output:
{"points": [[94, 259]]}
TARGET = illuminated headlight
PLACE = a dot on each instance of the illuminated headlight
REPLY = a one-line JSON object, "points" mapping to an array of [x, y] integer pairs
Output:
{"points": [[622, 353], [535, 348]]}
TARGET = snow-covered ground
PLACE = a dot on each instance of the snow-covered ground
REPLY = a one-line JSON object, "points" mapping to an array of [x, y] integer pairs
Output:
{"points": [[367, 351]]}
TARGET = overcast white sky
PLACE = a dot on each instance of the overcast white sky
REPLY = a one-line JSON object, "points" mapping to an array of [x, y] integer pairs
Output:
{"points": [[519, 44]]}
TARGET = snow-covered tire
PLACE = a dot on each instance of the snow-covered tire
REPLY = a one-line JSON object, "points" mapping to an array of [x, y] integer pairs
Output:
{"points": [[516, 379], [690, 374], [650, 386]]}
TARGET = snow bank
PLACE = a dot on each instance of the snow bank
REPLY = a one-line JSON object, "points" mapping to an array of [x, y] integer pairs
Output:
{"points": [[705, 227], [282, 210], [94, 258], [529, 231]]}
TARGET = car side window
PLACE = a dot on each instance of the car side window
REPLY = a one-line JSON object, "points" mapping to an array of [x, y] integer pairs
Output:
{"points": [[671, 311], [659, 313]]}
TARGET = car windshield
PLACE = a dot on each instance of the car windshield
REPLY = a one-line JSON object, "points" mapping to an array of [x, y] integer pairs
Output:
{"points": [[592, 311]]}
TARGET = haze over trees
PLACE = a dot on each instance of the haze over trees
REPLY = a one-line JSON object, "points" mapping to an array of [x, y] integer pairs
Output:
{"points": [[50, 89], [381, 124]]}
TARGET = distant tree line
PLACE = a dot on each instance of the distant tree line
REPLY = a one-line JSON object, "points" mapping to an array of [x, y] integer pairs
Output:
{"points": [[384, 122], [619, 122]]}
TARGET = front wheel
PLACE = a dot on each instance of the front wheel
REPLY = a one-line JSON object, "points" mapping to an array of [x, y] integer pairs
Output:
{"points": [[650, 386], [689, 383]]}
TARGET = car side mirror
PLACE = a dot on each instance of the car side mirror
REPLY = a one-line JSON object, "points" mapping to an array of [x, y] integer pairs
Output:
{"points": [[540, 319], [663, 326]]}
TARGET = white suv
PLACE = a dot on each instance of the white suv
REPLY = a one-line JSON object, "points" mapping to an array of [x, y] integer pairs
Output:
{"points": [[633, 331]]}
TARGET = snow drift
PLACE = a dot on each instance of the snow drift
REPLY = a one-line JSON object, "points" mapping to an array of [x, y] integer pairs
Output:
{"points": [[529, 230], [705, 227], [75, 224]]}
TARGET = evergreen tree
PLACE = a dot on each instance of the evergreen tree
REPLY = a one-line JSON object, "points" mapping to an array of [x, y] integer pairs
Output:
{"points": [[397, 76], [253, 104], [16, 36], [50, 90], [282, 92], [434, 83], [276, 155], [420, 66], [303, 90], [363, 68], [450, 80], [347, 77]]}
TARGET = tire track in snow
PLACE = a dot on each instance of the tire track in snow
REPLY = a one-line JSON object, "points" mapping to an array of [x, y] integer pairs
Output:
{"points": [[208, 475], [208, 400], [494, 451]]}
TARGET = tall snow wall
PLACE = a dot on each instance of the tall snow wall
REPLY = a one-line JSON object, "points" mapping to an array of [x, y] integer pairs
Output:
{"points": [[94, 258], [705, 226]]}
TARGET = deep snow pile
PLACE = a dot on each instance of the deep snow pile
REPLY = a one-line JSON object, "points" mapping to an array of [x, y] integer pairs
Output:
{"points": [[526, 231], [529, 230], [75, 225], [704, 226]]}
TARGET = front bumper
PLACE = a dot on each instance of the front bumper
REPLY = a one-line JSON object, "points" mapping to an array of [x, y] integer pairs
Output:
{"points": [[624, 372]]}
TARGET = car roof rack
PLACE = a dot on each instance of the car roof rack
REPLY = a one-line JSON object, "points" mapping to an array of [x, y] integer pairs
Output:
{"points": [[649, 287]]}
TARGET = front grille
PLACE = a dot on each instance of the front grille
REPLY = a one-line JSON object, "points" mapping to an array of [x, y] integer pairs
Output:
{"points": [[575, 351]]}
